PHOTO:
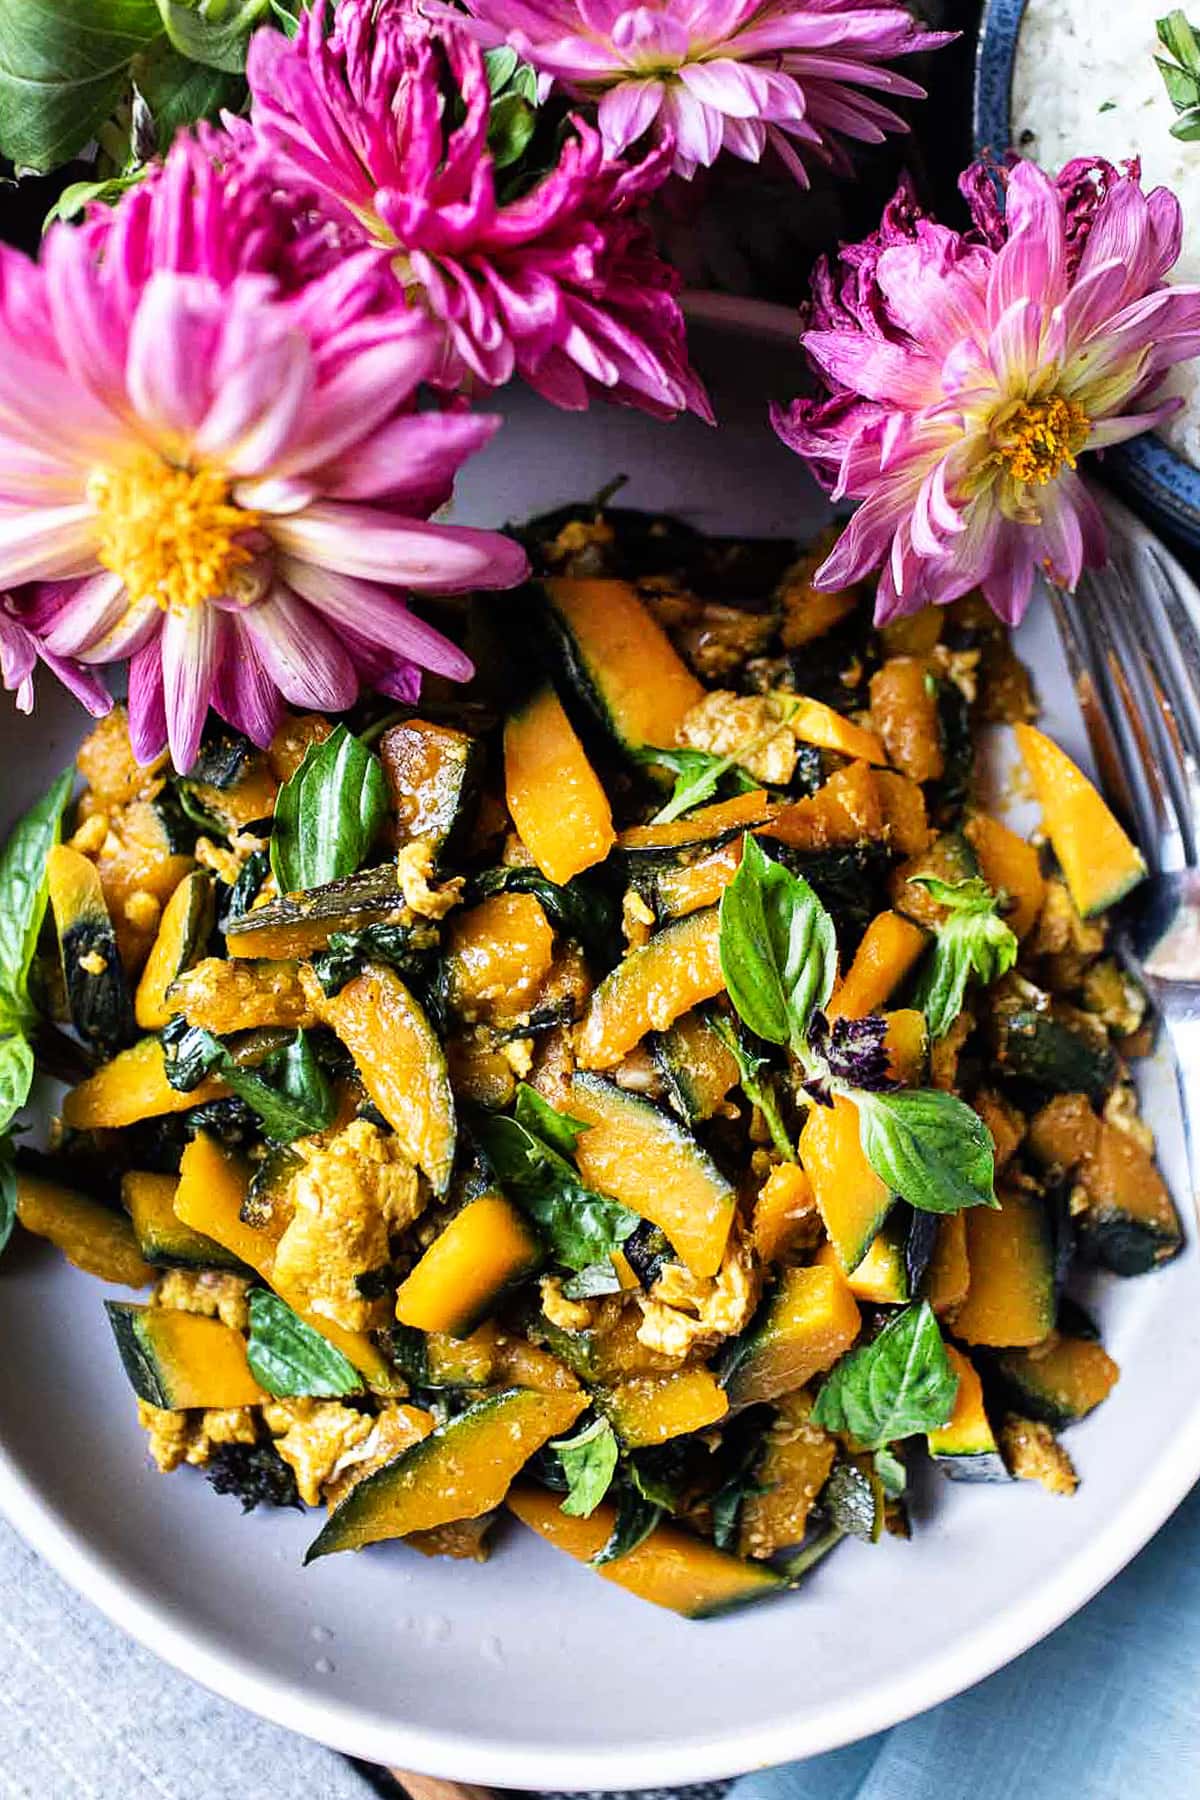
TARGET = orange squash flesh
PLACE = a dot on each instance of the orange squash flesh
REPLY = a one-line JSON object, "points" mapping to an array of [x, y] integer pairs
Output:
{"points": [[497, 956], [1098, 859], [949, 1270], [795, 1466], [1070, 1377], [1010, 864], [185, 924], [670, 1568], [904, 712], [699, 884], [889, 950], [905, 814], [810, 1320], [967, 1432], [852, 1199], [483, 1248], [1010, 1302], [648, 688], [676, 970], [650, 1409], [131, 1087], [213, 1184], [846, 810], [97, 1240], [554, 795], [907, 1044], [701, 826], [225, 996], [178, 1359], [815, 723], [783, 1211]]}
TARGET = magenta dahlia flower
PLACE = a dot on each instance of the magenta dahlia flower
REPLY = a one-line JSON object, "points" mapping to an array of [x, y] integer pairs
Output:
{"points": [[223, 482], [20, 652], [966, 374], [383, 114], [722, 74]]}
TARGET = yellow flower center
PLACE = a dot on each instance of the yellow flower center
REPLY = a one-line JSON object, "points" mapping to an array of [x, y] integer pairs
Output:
{"points": [[1037, 437], [173, 535]]}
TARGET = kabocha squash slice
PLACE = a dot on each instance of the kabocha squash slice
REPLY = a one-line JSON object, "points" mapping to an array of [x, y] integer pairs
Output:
{"points": [[225, 995], [162, 1236], [97, 993], [402, 1064], [1010, 1251], [1128, 1222], [784, 1212], [815, 723], [794, 1466], [846, 810], [808, 1321], [213, 1185], [670, 1568], [1011, 867], [706, 828], [690, 886], [1059, 1381], [678, 969], [641, 1156], [881, 1278], [557, 802], [459, 1471], [651, 1409], [498, 954], [698, 1069], [949, 1275], [177, 1359], [433, 773], [904, 711], [483, 1250], [888, 952], [299, 924], [852, 1200], [1100, 862], [233, 782], [965, 1447], [96, 1239], [618, 663], [183, 932], [133, 1086]]}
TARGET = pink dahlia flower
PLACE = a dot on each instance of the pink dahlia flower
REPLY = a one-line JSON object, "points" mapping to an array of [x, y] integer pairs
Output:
{"points": [[223, 483], [20, 652], [966, 374], [383, 114], [722, 74]]}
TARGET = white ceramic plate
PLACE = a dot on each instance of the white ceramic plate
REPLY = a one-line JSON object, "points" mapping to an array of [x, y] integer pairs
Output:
{"points": [[530, 1672]]}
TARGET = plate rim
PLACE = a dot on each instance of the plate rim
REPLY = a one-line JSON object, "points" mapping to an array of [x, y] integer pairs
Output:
{"points": [[131, 1604]]}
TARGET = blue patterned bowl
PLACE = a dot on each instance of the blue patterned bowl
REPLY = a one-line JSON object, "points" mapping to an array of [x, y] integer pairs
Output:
{"points": [[1155, 478]]}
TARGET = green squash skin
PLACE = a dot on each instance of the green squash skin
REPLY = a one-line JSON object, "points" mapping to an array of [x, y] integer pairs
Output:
{"points": [[1037, 1048], [101, 1005], [372, 897], [137, 1353], [761, 1584], [1125, 1244], [185, 1250], [1015, 1376], [972, 1465], [691, 1097], [580, 686]]}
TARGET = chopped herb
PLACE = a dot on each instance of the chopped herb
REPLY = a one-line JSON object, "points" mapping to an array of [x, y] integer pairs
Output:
{"points": [[894, 1387], [589, 1462]]}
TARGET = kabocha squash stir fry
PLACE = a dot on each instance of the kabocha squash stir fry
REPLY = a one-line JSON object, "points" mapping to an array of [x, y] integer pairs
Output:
{"points": [[646, 1092]]}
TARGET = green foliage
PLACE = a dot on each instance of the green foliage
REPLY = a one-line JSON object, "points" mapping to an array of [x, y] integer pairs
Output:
{"points": [[898, 1385], [288, 1358], [328, 814], [589, 1462]]}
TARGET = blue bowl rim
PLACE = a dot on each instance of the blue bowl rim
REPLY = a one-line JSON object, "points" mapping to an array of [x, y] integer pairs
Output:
{"points": [[1146, 468]]}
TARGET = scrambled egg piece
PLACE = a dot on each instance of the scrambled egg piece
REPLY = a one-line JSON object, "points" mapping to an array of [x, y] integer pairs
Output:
{"points": [[177, 1437], [1114, 997], [313, 1436], [227, 864], [518, 1054], [749, 726], [637, 919], [394, 1429], [212, 1293], [568, 1315], [1121, 1110], [414, 873], [1033, 1453], [1060, 928], [352, 1191], [685, 1312]]}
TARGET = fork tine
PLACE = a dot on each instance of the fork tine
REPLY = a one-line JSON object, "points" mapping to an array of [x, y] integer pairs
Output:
{"points": [[1121, 616], [1085, 680], [1173, 651]]}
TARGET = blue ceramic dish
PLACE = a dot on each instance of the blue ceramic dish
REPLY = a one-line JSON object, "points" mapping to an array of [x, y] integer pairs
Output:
{"points": [[1154, 477]]}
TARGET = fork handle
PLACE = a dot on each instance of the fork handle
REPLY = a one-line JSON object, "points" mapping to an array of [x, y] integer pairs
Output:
{"points": [[1183, 1030]]}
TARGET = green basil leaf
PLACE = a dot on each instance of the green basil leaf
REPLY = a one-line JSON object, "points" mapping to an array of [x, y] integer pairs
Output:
{"points": [[894, 1387], [854, 1501], [328, 814], [558, 1129], [891, 1472], [289, 1090], [636, 1519], [929, 1147], [589, 1462], [970, 943], [778, 948], [511, 124], [16, 1076], [580, 1227], [64, 66], [598, 1279], [288, 1358], [23, 898], [501, 66], [698, 774], [758, 1092], [406, 948], [8, 1191], [971, 895], [212, 32]]}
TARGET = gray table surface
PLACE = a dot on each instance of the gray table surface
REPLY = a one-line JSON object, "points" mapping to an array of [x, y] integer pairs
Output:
{"points": [[87, 1714]]}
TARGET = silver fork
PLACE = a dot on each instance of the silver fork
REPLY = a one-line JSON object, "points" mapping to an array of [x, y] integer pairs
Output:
{"points": [[1131, 635]]}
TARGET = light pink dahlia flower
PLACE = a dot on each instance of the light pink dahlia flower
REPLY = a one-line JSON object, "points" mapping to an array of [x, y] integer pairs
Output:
{"points": [[222, 482], [383, 114], [722, 74], [965, 376]]}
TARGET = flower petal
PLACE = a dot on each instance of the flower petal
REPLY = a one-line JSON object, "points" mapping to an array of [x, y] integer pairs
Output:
{"points": [[361, 540], [191, 643], [300, 654]]}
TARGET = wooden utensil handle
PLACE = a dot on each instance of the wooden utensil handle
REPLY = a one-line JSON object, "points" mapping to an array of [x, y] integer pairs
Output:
{"points": [[428, 1787]]}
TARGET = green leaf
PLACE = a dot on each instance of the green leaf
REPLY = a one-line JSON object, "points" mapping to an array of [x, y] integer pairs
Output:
{"points": [[405, 948], [778, 948], [974, 940], [898, 1385], [854, 1501], [501, 65], [64, 65], [589, 1462], [929, 1147], [1177, 36], [23, 898], [636, 1519], [289, 1090], [328, 814], [288, 1358], [178, 91], [78, 195], [892, 1473], [579, 1226], [1187, 126], [592, 1283], [760, 1093], [698, 774], [8, 1192], [511, 124], [212, 32], [16, 1076], [558, 1129]]}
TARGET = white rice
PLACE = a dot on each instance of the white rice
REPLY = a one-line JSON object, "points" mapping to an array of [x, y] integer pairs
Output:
{"points": [[1085, 84]]}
